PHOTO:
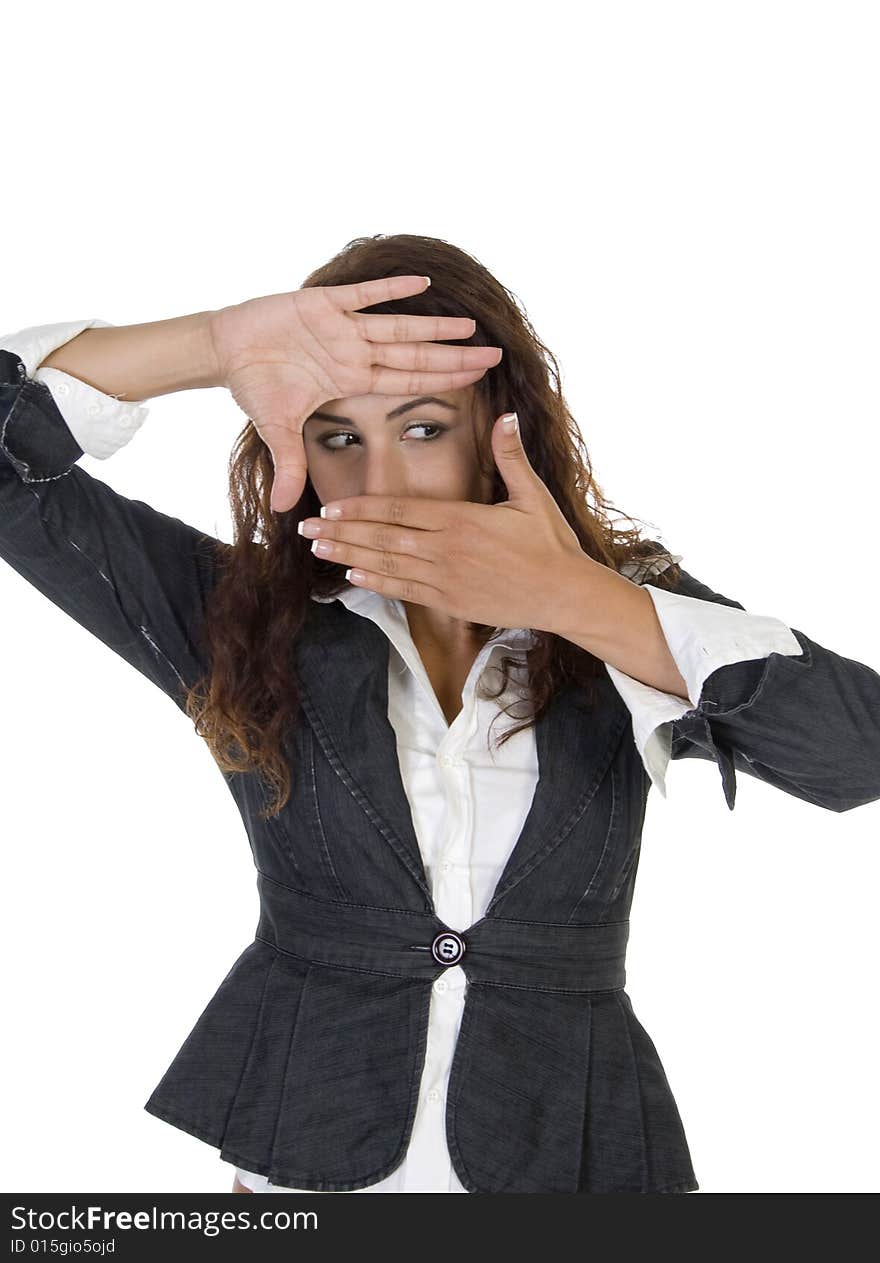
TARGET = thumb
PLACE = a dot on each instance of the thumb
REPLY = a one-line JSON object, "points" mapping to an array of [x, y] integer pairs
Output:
{"points": [[510, 456], [290, 469]]}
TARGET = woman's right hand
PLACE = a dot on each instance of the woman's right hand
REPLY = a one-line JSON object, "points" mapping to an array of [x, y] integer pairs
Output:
{"points": [[284, 355]]}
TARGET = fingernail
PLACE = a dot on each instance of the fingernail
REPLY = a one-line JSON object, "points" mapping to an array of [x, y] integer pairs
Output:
{"points": [[510, 423]]}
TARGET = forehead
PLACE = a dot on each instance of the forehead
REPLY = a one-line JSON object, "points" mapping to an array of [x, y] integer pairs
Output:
{"points": [[388, 407]]}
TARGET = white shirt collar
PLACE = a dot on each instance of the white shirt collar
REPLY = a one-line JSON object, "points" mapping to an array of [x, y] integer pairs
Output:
{"points": [[389, 613]]}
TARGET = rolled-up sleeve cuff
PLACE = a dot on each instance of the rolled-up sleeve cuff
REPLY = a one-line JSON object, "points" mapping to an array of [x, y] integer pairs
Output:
{"points": [[100, 423], [702, 636]]}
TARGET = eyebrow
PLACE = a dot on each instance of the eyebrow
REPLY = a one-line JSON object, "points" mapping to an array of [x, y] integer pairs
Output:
{"points": [[395, 412]]}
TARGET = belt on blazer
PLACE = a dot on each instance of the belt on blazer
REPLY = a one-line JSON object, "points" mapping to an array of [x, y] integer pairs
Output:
{"points": [[403, 944]]}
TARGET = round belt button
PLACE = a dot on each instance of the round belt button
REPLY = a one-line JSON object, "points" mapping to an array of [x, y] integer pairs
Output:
{"points": [[448, 948]]}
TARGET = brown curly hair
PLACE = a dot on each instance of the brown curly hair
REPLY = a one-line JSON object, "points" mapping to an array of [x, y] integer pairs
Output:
{"points": [[249, 695]]}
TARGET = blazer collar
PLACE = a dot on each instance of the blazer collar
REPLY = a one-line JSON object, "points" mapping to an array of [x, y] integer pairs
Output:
{"points": [[342, 661]]}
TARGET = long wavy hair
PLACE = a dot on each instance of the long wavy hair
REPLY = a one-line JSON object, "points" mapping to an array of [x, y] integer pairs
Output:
{"points": [[249, 696]]}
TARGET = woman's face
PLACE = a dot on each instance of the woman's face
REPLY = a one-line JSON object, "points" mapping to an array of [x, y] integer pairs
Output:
{"points": [[397, 445]]}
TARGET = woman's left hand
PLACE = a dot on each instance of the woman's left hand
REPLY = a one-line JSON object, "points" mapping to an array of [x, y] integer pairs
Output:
{"points": [[503, 565]]}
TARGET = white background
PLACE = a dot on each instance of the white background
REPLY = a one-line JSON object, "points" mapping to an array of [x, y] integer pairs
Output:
{"points": [[684, 196]]}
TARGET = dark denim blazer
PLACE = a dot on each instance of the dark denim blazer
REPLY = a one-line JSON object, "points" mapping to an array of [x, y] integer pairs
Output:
{"points": [[305, 1064]]}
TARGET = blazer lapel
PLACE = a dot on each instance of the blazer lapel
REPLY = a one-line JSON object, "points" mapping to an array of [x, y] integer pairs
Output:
{"points": [[575, 746], [342, 661]]}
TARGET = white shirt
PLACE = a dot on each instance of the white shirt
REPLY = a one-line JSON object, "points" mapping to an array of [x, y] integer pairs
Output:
{"points": [[468, 803]]}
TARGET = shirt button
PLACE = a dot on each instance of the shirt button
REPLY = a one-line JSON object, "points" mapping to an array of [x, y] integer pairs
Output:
{"points": [[94, 409], [441, 984], [450, 760], [63, 388], [433, 1096]]}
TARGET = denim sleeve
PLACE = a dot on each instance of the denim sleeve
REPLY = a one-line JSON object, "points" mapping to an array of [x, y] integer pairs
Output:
{"points": [[136, 578], [807, 723], [701, 637], [99, 422]]}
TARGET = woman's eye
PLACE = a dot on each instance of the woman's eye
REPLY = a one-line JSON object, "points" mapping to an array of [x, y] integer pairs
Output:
{"points": [[426, 425], [347, 434], [334, 447]]}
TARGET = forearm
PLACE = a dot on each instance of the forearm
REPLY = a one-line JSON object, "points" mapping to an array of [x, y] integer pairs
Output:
{"points": [[136, 362], [615, 619]]}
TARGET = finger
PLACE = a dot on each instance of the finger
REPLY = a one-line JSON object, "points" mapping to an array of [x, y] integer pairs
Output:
{"points": [[402, 589], [403, 567], [394, 381], [423, 512], [383, 290], [346, 540], [431, 357], [400, 328]]}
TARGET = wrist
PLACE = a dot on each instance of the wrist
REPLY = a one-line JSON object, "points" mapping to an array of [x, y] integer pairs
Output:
{"points": [[614, 619], [202, 349], [580, 587]]}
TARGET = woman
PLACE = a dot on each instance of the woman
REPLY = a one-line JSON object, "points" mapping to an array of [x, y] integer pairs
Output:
{"points": [[434, 998]]}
